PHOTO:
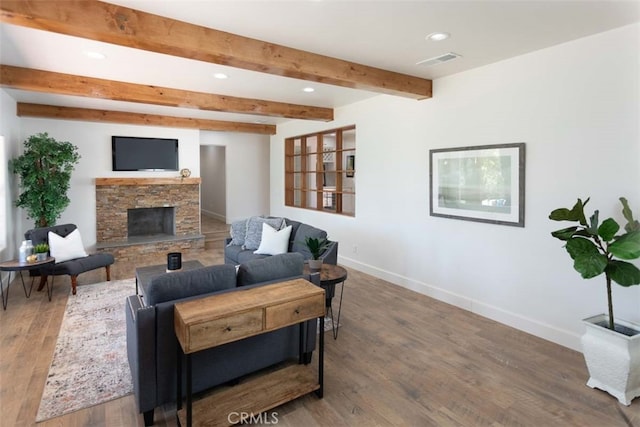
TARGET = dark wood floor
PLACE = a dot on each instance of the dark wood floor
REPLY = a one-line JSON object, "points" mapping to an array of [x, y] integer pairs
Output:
{"points": [[401, 359]]}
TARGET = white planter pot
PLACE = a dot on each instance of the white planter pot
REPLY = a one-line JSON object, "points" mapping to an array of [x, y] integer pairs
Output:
{"points": [[613, 359], [315, 264]]}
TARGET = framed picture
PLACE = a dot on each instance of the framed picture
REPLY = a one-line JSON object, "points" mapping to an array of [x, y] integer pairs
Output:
{"points": [[351, 166], [483, 183]]}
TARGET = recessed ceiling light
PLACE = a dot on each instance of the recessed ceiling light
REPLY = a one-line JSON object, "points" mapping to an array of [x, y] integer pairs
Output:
{"points": [[438, 36], [308, 89], [220, 76], [94, 55]]}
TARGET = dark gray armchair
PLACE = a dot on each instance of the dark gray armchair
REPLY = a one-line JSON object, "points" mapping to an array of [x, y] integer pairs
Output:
{"points": [[73, 267]]}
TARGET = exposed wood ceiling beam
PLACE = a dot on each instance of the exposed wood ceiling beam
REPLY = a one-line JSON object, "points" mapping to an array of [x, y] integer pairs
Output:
{"points": [[68, 84], [86, 114], [136, 29]]}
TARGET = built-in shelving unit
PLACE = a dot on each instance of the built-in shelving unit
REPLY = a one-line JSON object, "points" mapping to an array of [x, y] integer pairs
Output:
{"points": [[320, 171]]}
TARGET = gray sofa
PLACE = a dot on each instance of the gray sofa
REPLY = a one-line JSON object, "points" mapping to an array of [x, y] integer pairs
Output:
{"points": [[152, 344], [236, 252]]}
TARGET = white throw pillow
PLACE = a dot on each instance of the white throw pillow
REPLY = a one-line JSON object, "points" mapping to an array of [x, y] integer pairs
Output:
{"points": [[274, 241], [66, 248]]}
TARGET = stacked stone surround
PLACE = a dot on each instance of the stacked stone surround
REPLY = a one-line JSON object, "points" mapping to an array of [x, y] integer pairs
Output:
{"points": [[115, 195], [142, 253]]}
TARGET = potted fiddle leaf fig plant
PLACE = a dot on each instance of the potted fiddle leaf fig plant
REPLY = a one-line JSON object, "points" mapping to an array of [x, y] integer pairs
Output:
{"points": [[316, 246], [611, 347]]}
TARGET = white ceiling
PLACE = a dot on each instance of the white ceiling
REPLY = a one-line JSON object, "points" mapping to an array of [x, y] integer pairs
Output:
{"points": [[383, 34]]}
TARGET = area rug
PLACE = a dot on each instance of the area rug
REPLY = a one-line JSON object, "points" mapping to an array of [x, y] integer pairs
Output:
{"points": [[89, 364]]}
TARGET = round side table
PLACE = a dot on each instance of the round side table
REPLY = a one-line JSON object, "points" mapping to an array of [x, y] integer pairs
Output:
{"points": [[17, 266], [330, 276]]}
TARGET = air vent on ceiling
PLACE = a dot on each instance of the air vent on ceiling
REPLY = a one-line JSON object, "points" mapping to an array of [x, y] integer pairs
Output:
{"points": [[450, 56]]}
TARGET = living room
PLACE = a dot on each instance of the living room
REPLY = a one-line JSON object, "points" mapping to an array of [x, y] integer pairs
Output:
{"points": [[576, 107]]}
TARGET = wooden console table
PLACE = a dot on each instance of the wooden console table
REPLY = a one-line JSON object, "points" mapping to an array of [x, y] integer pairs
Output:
{"points": [[219, 319]]}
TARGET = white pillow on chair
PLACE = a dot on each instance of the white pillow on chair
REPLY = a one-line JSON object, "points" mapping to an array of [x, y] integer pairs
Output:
{"points": [[274, 241], [66, 248]]}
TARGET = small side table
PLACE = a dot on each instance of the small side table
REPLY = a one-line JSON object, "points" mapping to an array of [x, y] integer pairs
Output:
{"points": [[330, 276], [17, 266]]}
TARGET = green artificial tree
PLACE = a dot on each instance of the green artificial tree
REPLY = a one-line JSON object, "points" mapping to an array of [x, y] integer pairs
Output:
{"points": [[45, 169]]}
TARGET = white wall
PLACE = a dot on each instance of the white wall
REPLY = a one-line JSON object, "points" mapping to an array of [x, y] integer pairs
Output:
{"points": [[213, 173], [247, 167], [575, 105], [94, 145]]}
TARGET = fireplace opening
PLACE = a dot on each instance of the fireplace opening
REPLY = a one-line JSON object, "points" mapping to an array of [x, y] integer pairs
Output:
{"points": [[149, 222]]}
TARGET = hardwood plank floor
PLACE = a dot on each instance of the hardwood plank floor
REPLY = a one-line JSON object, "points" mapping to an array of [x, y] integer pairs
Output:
{"points": [[401, 359]]}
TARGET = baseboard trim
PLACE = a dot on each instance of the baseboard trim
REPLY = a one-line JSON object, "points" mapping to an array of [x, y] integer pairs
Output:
{"points": [[534, 327], [213, 215]]}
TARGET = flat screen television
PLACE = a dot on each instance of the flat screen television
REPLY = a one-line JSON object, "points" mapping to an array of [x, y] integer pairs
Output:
{"points": [[144, 154]]}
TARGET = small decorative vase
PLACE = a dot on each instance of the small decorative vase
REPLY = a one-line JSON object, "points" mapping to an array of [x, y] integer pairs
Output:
{"points": [[41, 256], [315, 264]]}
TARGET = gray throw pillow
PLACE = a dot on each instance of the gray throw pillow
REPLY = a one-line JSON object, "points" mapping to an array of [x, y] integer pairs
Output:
{"points": [[238, 231], [254, 230]]}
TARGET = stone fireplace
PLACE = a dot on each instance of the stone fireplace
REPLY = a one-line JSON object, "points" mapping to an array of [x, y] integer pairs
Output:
{"points": [[138, 216]]}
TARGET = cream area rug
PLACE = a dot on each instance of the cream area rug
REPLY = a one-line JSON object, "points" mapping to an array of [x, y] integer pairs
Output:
{"points": [[89, 364]]}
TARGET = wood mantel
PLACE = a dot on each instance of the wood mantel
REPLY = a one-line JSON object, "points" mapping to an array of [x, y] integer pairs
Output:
{"points": [[146, 181]]}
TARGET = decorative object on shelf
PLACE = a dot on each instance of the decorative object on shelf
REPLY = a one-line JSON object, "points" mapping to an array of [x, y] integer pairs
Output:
{"points": [[26, 250], [41, 250], [316, 246], [185, 173], [483, 183], [45, 169], [328, 153], [611, 347], [351, 166]]}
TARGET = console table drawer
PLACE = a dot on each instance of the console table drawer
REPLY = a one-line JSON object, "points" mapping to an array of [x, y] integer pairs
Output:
{"points": [[293, 312], [225, 329]]}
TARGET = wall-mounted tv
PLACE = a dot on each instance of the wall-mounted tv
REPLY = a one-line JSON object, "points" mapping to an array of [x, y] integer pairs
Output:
{"points": [[144, 154]]}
